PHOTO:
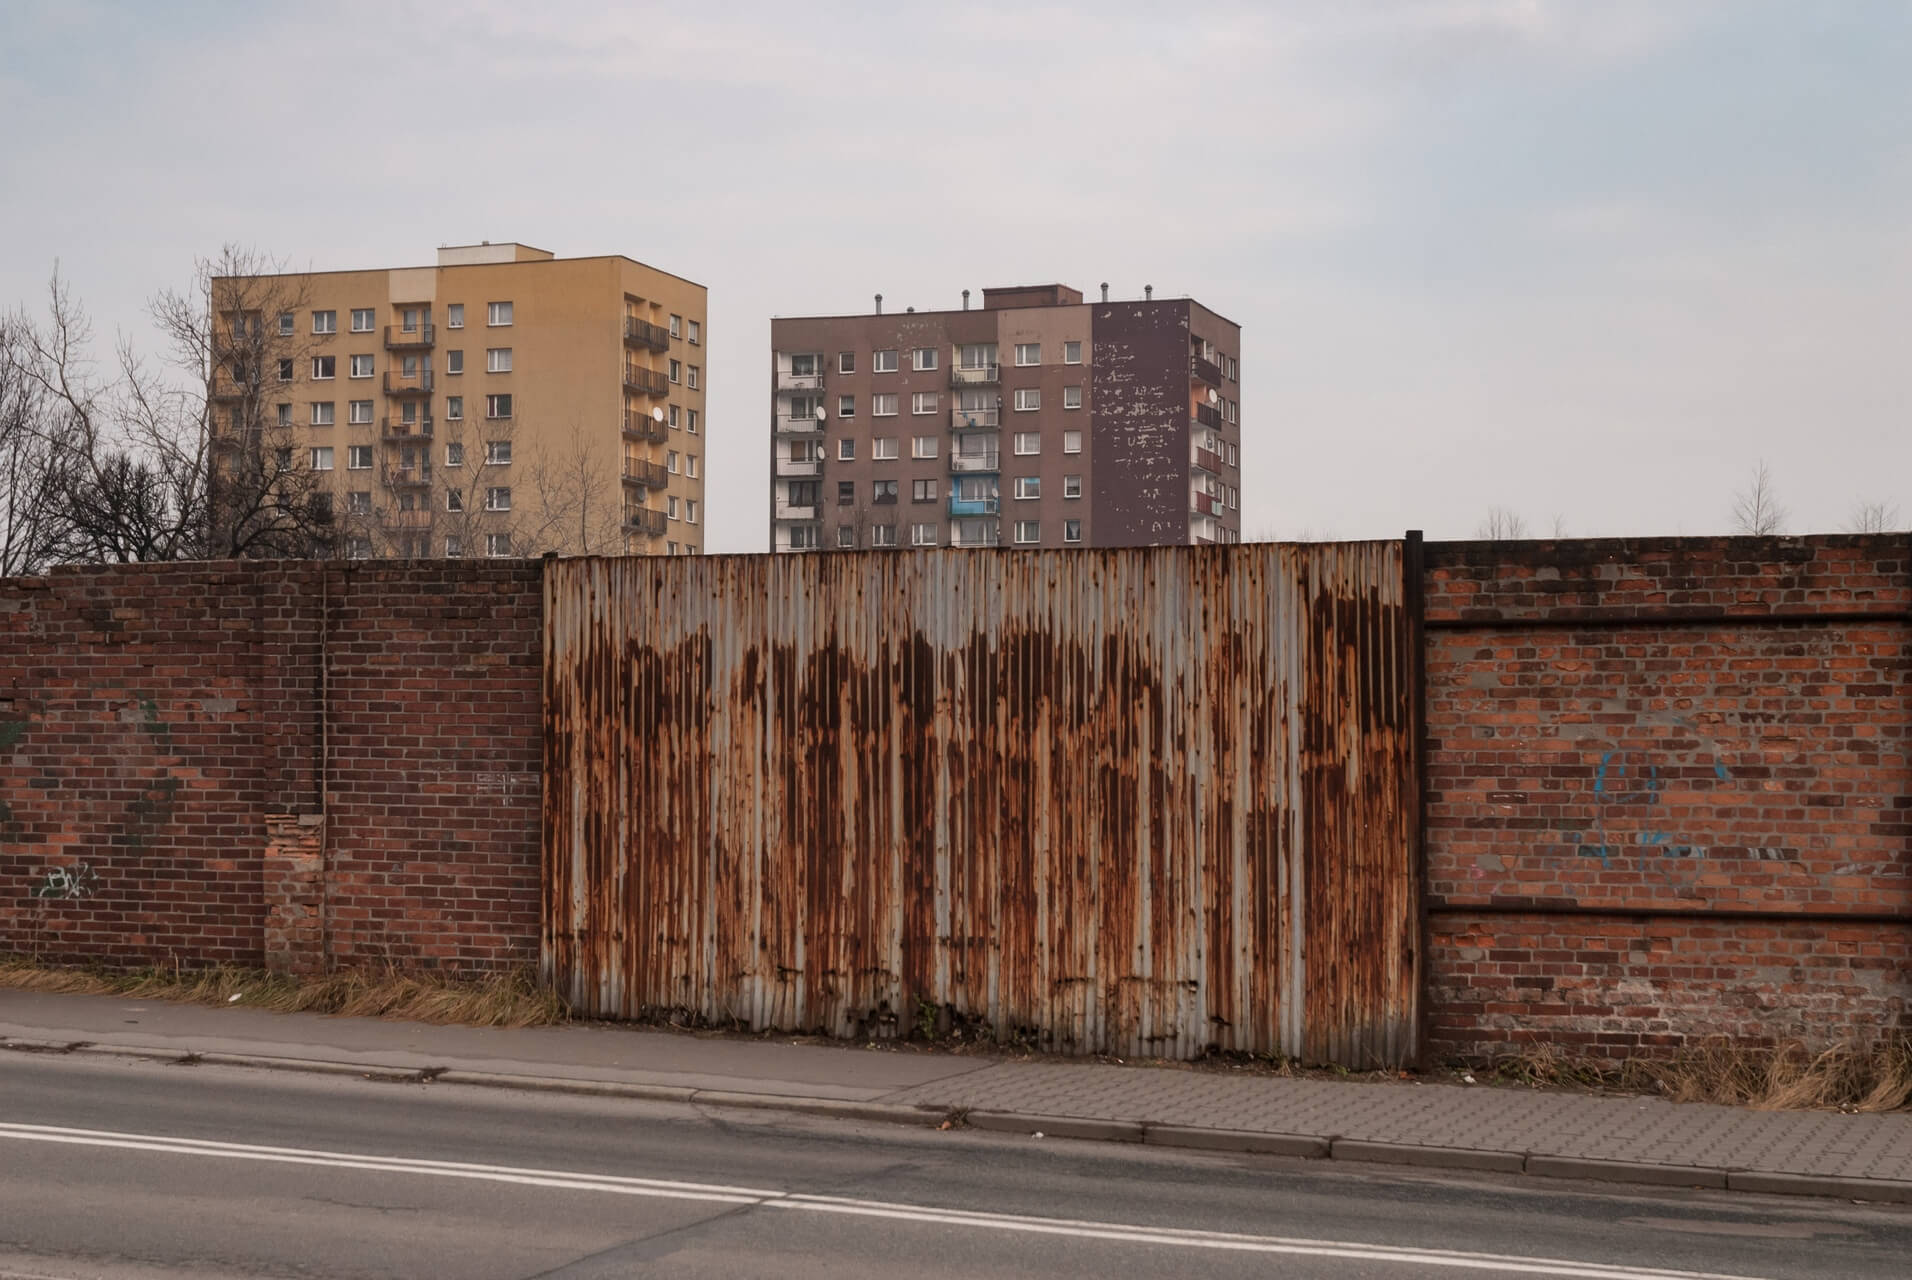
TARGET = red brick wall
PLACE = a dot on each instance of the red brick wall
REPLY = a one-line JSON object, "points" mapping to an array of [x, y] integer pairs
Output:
{"points": [[160, 732], [1653, 775]]}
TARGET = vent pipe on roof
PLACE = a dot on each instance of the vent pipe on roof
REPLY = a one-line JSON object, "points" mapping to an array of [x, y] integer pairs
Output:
{"points": [[965, 299], [879, 304], [910, 310], [1105, 291], [1148, 293]]}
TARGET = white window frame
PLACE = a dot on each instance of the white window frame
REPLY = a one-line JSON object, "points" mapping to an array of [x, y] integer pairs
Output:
{"points": [[359, 412], [497, 359], [877, 364], [676, 374], [492, 495], [454, 500], [1072, 397], [358, 502], [1032, 439], [455, 363], [495, 310], [922, 402], [1072, 442], [846, 406], [677, 326], [693, 376], [1071, 488], [846, 450], [879, 400], [455, 453], [324, 322], [455, 315], [288, 324], [497, 545], [670, 462], [497, 453], [322, 457], [1076, 526], [354, 366], [690, 421], [491, 406], [923, 359], [694, 332], [922, 446], [1072, 352], [846, 363], [1028, 488], [922, 535], [454, 408], [670, 506], [330, 363], [324, 413], [1034, 528], [690, 466], [1028, 355], [883, 449], [358, 457], [370, 316], [1028, 399]]}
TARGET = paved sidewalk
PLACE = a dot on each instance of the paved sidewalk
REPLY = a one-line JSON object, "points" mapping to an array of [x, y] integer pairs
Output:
{"points": [[1509, 1130]]}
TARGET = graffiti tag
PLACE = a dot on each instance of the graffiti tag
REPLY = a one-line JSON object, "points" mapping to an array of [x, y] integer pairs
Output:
{"points": [[76, 881]]}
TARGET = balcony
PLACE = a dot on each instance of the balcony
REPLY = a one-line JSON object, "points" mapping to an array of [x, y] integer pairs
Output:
{"points": [[641, 473], [399, 338], [397, 429], [1207, 370], [788, 381], [644, 520], [986, 535], [645, 382], [987, 462], [418, 384], [785, 509], [974, 419], [418, 518], [986, 375], [791, 426], [973, 506], [642, 333], [396, 477], [1209, 415], [1203, 504], [1207, 460], [227, 385], [643, 427], [799, 466]]}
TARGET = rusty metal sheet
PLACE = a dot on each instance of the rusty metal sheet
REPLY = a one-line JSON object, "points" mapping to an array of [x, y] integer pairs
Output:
{"points": [[1143, 801]]}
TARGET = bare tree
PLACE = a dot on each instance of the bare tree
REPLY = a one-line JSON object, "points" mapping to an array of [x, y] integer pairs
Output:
{"points": [[1756, 508], [1502, 525], [1559, 528], [35, 452], [1874, 517], [580, 503]]}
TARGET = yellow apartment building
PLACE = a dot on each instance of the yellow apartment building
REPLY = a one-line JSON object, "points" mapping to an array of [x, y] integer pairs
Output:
{"points": [[504, 402]]}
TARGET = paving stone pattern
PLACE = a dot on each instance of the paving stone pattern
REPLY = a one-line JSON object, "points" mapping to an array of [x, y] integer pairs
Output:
{"points": [[1638, 1130]]}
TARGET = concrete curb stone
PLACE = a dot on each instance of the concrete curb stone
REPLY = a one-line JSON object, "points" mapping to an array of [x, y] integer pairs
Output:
{"points": [[1305, 1146], [1056, 1126], [1665, 1175], [1430, 1157], [1805, 1184]]}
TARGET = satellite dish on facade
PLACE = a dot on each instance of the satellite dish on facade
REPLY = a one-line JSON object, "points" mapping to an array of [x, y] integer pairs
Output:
{"points": [[820, 413], [657, 413]]}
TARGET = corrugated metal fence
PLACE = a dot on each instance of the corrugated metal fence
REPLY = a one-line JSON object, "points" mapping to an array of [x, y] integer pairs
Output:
{"points": [[1137, 801]]}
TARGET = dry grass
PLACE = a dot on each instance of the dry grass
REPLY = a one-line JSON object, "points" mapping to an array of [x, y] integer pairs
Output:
{"points": [[501, 1000], [1857, 1076]]}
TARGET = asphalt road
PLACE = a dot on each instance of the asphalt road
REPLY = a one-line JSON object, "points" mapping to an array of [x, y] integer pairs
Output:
{"points": [[119, 1169]]}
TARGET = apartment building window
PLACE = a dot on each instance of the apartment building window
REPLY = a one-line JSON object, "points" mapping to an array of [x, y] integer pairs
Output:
{"points": [[455, 316], [1072, 531], [1028, 353], [696, 333], [454, 362], [1072, 353], [408, 458], [1072, 397], [846, 493], [922, 491], [498, 360], [359, 502], [321, 413], [923, 447], [922, 535], [454, 500], [690, 465], [285, 415], [670, 462], [977, 355], [670, 506], [1234, 497], [1028, 399], [497, 314], [1028, 443], [408, 412], [325, 367], [883, 406], [676, 371], [846, 535], [454, 408], [1234, 458], [498, 498], [455, 454], [677, 326], [690, 416], [497, 406], [285, 370], [883, 361], [361, 319], [846, 362], [454, 547], [358, 457], [693, 376], [846, 406], [325, 322], [497, 544], [409, 366], [1028, 487], [285, 458], [671, 416], [846, 450], [1072, 486], [497, 453], [359, 412], [1072, 442], [883, 491], [361, 366], [690, 511], [883, 535], [1028, 531], [883, 448], [287, 323], [923, 402], [322, 457], [924, 358], [358, 548]]}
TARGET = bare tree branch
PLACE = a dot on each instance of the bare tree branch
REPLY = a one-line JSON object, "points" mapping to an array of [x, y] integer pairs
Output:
{"points": [[1502, 525], [1874, 517], [1756, 508]]}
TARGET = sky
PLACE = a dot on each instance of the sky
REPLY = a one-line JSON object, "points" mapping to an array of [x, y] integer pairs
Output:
{"points": [[1589, 261]]}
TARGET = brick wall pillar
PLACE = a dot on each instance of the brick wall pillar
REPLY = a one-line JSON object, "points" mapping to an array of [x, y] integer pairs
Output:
{"points": [[294, 878]]}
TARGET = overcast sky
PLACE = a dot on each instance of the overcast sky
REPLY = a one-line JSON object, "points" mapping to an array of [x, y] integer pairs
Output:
{"points": [[1586, 259]]}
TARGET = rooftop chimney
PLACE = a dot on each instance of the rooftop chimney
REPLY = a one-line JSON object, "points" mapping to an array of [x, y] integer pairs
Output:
{"points": [[910, 310], [1148, 293], [1105, 291], [965, 299], [879, 304]]}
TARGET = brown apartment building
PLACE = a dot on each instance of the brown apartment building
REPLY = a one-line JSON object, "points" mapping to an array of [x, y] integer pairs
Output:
{"points": [[1037, 420], [501, 402]]}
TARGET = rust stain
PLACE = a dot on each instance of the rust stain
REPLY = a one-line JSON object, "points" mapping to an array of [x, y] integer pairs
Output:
{"points": [[1141, 801]]}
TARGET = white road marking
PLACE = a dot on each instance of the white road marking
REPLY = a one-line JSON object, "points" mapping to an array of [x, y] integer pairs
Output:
{"points": [[717, 1193]]}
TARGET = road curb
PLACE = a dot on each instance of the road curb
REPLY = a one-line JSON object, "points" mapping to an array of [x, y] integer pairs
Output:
{"points": [[1187, 1137]]}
